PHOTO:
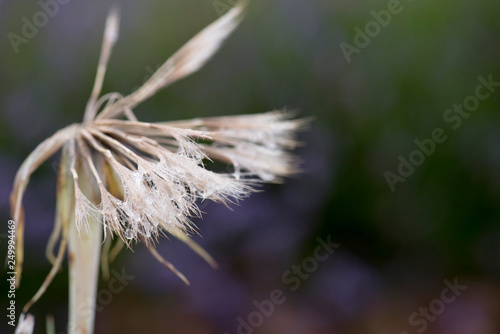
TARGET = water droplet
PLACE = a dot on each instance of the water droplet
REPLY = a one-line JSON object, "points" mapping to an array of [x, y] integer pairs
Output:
{"points": [[129, 234], [265, 176], [272, 144], [237, 171], [209, 191]]}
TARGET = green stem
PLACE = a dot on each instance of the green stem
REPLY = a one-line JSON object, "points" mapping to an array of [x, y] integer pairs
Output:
{"points": [[84, 258], [84, 255]]}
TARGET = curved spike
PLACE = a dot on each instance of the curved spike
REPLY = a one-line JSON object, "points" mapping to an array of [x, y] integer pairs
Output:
{"points": [[166, 263], [116, 249], [187, 60], [105, 257], [110, 37], [41, 153], [195, 247], [65, 214]]}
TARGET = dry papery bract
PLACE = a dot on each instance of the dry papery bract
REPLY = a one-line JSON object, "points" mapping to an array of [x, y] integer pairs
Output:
{"points": [[142, 180]]}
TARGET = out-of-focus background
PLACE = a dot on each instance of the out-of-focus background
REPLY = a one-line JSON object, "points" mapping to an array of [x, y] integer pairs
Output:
{"points": [[399, 180]]}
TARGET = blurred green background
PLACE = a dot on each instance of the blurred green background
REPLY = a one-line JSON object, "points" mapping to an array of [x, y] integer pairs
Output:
{"points": [[397, 245]]}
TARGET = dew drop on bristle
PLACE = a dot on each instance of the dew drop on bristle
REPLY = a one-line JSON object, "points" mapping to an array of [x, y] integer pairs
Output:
{"points": [[266, 176], [129, 234], [237, 171], [209, 191]]}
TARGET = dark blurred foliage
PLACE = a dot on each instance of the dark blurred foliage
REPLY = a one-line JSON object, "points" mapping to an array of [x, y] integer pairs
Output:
{"points": [[397, 247]]}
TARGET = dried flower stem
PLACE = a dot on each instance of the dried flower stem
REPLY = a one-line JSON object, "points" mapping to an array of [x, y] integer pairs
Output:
{"points": [[137, 181], [84, 257]]}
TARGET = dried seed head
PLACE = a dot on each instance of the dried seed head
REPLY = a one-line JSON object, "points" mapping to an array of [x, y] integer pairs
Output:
{"points": [[145, 179]]}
